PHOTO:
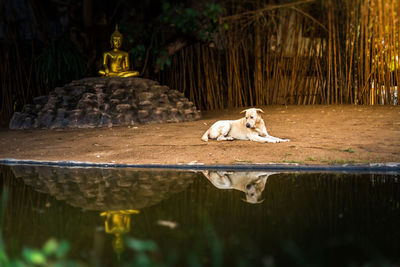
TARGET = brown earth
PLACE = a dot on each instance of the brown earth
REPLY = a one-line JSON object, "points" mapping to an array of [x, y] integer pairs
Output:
{"points": [[318, 134]]}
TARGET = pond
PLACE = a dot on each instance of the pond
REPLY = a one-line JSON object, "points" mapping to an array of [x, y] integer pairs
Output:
{"points": [[125, 216]]}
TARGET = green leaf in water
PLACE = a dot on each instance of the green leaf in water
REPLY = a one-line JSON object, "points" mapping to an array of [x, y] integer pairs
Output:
{"points": [[141, 245], [58, 249], [34, 256]]}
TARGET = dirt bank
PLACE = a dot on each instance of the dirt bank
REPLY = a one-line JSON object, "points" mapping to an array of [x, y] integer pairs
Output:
{"points": [[318, 134]]}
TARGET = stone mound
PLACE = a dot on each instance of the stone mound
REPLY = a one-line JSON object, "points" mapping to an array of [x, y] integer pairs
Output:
{"points": [[99, 102]]}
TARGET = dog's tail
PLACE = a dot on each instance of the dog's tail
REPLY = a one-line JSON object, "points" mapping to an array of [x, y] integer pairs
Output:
{"points": [[205, 136]]}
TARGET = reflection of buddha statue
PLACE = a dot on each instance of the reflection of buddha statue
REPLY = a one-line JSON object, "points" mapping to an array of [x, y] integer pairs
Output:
{"points": [[118, 222], [116, 62]]}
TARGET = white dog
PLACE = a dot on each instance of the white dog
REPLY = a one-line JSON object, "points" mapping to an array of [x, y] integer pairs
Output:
{"points": [[251, 127]]}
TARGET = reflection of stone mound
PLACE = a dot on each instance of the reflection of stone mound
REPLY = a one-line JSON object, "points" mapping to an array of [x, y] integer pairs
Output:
{"points": [[105, 189], [98, 102]]}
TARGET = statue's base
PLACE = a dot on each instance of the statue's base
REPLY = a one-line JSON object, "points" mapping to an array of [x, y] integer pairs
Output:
{"points": [[105, 102]]}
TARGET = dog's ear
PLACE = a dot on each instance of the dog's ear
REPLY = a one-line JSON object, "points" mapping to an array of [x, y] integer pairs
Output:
{"points": [[259, 110], [243, 111]]}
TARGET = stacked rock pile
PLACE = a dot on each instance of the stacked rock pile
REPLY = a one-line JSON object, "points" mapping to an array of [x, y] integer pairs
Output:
{"points": [[105, 189], [99, 102]]}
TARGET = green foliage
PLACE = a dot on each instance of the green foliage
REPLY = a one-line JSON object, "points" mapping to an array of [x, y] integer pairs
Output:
{"points": [[142, 248], [53, 253], [163, 60], [200, 24], [141, 245], [138, 52], [3, 205], [174, 20], [203, 23], [60, 62]]}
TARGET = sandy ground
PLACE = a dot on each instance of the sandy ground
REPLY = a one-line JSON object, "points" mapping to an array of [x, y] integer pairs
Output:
{"points": [[318, 134]]}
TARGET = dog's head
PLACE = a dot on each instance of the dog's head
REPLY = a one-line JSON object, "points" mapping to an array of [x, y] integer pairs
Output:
{"points": [[254, 191], [252, 116]]}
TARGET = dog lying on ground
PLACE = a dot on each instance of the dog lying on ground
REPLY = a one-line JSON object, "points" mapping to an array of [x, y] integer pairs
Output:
{"points": [[251, 183], [251, 127]]}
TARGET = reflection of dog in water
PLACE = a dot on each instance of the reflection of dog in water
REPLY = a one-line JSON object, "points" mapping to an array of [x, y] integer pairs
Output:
{"points": [[251, 183]]}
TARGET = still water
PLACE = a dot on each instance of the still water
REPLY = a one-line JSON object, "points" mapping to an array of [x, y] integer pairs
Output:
{"points": [[118, 217]]}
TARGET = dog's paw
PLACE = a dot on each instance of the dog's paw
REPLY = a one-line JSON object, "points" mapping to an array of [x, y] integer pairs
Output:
{"points": [[224, 138], [282, 140]]}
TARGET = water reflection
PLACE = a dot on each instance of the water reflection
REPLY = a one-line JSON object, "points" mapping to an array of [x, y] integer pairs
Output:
{"points": [[104, 189], [251, 183], [320, 219], [118, 223], [116, 193]]}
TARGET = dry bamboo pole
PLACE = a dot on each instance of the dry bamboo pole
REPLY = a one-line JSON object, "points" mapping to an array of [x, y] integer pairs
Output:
{"points": [[227, 68], [176, 77], [335, 56], [358, 54], [314, 96], [381, 82], [305, 66], [361, 56], [388, 37], [266, 75], [204, 80], [275, 77], [309, 54], [183, 66], [238, 82], [283, 61], [329, 81], [393, 64], [6, 99], [339, 78], [319, 75], [294, 64], [215, 82], [374, 77], [199, 75], [362, 53], [396, 37], [397, 60], [367, 67], [233, 74], [246, 77], [257, 64], [352, 31], [347, 49], [192, 85], [391, 55], [376, 36], [323, 82], [212, 72]]}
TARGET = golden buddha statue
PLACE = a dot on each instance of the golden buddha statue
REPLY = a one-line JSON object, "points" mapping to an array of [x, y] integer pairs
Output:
{"points": [[116, 62]]}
